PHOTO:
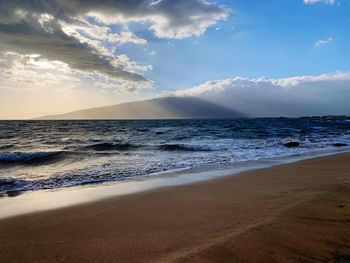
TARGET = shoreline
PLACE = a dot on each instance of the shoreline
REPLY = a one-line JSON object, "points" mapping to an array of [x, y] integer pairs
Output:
{"points": [[50, 199], [292, 212]]}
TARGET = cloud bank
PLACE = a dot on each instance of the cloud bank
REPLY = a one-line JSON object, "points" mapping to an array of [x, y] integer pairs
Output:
{"points": [[79, 33], [294, 96]]}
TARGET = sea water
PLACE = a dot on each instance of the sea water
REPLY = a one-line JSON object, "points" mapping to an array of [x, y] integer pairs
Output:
{"points": [[53, 154]]}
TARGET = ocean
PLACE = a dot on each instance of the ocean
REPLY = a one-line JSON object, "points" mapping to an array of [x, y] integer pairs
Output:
{"points": [[53, 154]]}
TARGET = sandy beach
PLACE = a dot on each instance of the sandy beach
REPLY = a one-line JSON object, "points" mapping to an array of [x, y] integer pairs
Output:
{"points": [[298, 212]]}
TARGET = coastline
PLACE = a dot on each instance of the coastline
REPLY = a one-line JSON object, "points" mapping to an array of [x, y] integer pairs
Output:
{"points": [[307, 202], [43, 200]]}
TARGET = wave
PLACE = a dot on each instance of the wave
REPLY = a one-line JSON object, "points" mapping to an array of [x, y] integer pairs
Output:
{"points": [[110, 147], [340, 144], [11, 187], [28, 157], [181, 147], [5, 147], [7, 184]]}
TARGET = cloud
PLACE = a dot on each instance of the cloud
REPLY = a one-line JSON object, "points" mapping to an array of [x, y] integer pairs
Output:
{"points": [[167, 18], [183, 18], [328, 2], [322, 42], [80, 33], [31, 72], [293, 96], [54, 40], [34, 72]]}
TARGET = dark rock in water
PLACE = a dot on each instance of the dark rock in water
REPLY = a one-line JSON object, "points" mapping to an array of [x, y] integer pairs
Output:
{"points": [[340, 144], [292, 144]]}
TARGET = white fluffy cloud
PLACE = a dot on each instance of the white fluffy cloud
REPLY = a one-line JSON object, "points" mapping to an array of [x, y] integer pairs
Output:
{"points": [[322, 42], [328, 2], [293, 96]]}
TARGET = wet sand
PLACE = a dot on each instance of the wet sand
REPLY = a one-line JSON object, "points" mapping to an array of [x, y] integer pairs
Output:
{"points": [[297, 212]]}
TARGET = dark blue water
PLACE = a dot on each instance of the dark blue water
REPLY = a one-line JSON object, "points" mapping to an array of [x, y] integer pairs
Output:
{"points": [[51, 154]]}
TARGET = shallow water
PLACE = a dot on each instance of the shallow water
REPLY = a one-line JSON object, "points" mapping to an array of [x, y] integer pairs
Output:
{"points": [[51, 154]]}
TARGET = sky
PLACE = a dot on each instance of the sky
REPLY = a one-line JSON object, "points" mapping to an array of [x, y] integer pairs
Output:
{"points": [[254, 56]]}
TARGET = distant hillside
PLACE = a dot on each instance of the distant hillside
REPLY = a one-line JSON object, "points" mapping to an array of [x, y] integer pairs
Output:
{"points": [[159, 108]]}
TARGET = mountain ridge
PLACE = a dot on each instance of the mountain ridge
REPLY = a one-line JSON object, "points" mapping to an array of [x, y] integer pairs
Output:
{"points": [[158, 108]]}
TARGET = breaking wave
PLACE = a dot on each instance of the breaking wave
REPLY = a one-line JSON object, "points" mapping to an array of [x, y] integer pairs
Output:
{"points": [[182, 147], [109, 147], [28, 157]]}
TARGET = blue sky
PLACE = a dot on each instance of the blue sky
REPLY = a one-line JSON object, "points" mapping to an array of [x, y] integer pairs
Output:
{"points": [[260, 38], [106, 52]]}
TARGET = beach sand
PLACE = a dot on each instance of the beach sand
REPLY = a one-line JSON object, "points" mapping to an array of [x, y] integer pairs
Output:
{"points": [[297, 212]]}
